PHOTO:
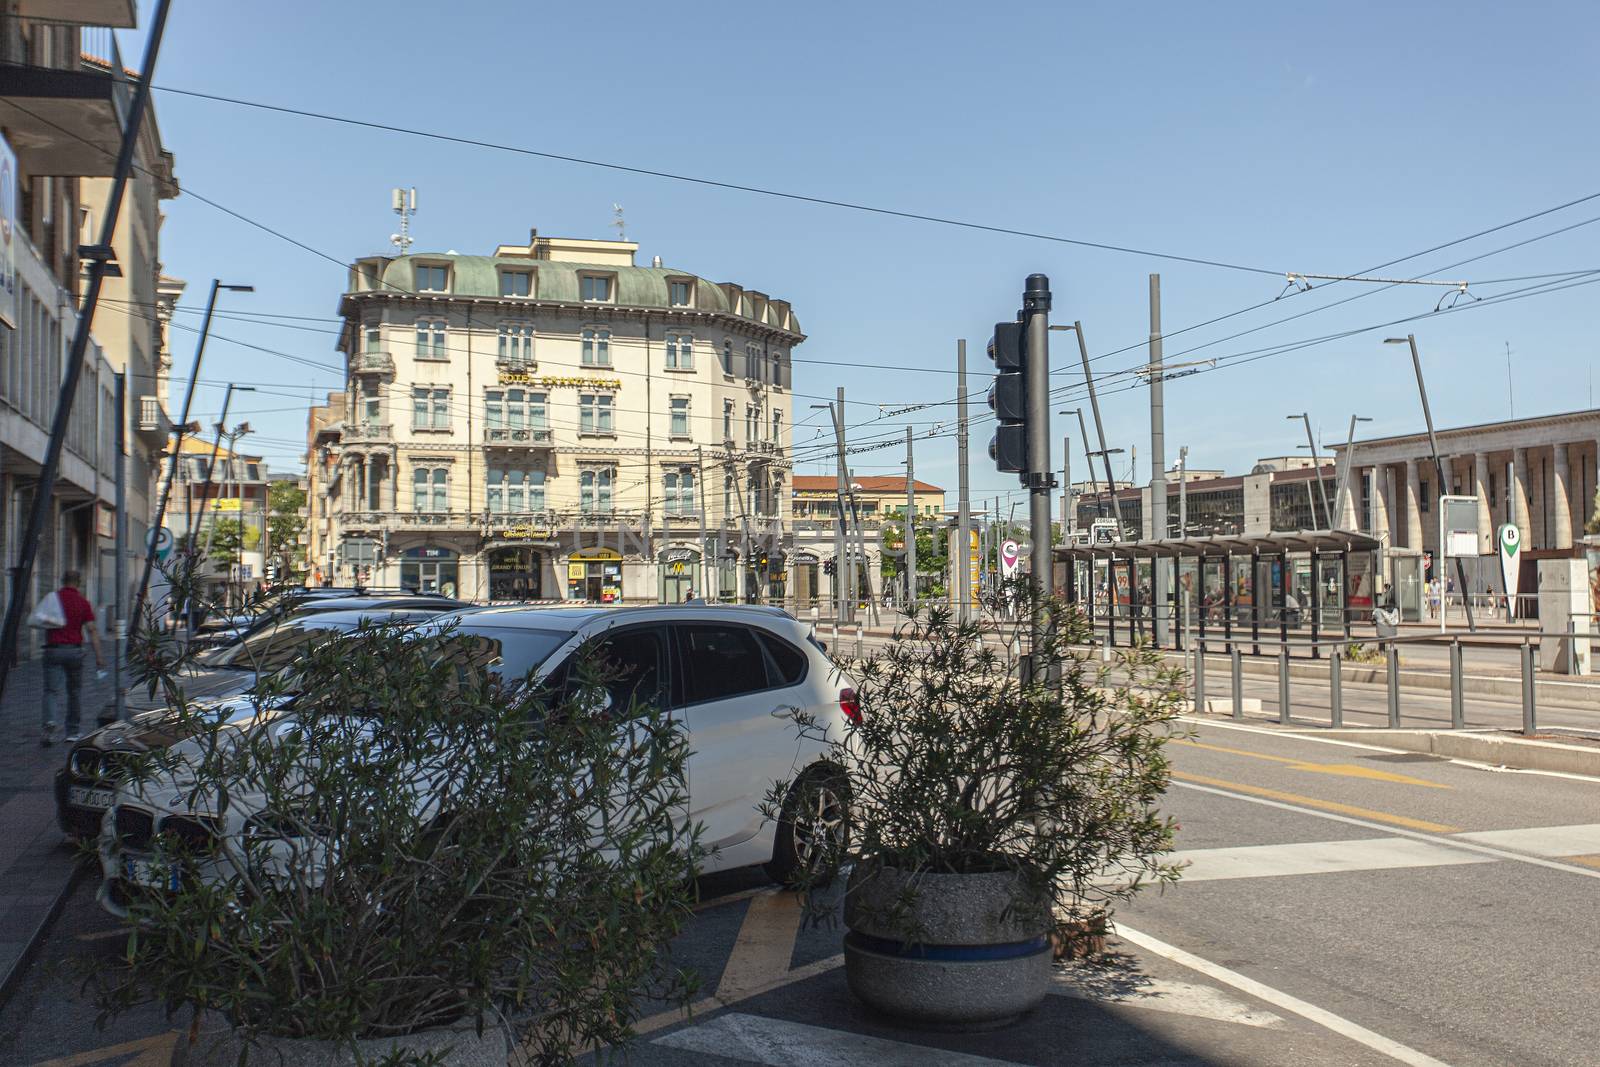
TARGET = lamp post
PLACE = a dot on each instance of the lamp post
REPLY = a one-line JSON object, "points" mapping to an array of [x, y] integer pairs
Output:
{"points": [[1344, 482], [1438, 464], [1316, 466]]}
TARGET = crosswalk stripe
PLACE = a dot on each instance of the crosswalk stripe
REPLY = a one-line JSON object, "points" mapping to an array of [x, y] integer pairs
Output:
{"points": [[1576, 840], [1318, 857], [781, 1043], [1160, 994]]}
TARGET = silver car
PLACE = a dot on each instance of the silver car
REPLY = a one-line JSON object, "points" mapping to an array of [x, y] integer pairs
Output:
{"points": [[732, 674]]}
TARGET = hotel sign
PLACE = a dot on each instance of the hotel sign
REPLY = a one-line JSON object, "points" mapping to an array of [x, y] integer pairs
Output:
{"points": [[559, 381], [525, 533]]}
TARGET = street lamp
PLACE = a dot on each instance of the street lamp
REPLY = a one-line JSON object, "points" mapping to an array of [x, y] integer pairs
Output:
{"points": [[1349, 466], [1316, 466], [1438, 464]]}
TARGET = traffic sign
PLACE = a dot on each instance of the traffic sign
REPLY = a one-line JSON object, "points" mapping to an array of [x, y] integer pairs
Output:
{"points": [[1510, 540], [161, 540], [1010, 556]]}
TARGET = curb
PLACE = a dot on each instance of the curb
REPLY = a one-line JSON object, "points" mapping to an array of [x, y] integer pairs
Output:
{"points": [[1493, 748], [30, 948]]}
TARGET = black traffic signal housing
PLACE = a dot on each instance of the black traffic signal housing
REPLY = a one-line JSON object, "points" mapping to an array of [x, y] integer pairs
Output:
{"points": [[1008, 397], [827, 566]]}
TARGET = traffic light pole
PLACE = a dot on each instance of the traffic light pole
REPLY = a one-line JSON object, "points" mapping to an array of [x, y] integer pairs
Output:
{"points": [[961, 559], [1036, 308], [1158, 466]]}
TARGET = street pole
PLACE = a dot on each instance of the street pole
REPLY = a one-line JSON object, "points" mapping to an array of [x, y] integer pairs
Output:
{"points": [[700, 480], [1158, 462], [1036, 306], [962, 583], [1183, 491], [211, 466], [844, 571], [118, 652], [910, 529], [1099, 428], [1066, 488], [1316, 465], [1438, 468], [1344, 483], [100, 257], [1088, 459]]}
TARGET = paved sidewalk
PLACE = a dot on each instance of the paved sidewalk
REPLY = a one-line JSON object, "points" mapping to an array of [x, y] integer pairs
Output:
{"points": [[36, 862]]}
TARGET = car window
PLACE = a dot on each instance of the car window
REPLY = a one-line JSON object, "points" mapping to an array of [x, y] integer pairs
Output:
{"points": [[720, 662], [789, 662], [508, 653], [632, 662]]}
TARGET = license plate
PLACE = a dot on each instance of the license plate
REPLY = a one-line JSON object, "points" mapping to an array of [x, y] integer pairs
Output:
{"points": [[153, 874], [83, 796]]}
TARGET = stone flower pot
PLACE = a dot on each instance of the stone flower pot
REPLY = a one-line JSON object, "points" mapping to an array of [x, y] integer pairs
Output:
{"points": [[968, 968], [220, 1048]]}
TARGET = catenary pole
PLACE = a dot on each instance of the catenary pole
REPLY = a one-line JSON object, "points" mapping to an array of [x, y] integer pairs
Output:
{"points": [[120, 571], [99, 257], [961, 559], [844, 573], [911, 528], [1158, 463], [1099, 428]]}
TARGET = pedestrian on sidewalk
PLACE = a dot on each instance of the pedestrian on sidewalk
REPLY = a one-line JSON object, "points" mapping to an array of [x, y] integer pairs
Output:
{"points": [[63, 658]]}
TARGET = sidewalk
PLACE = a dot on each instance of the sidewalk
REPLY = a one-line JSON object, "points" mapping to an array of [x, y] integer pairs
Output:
{"points": [[37, 865]]}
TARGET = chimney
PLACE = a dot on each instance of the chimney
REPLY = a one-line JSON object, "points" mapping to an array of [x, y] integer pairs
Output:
{"points": [[655, 261]]}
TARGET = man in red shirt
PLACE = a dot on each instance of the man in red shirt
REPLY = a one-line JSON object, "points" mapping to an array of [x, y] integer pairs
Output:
{"points": [[63, 657]]}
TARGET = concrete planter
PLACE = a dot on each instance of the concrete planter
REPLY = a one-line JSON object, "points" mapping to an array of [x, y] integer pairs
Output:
{"points": [[969, 968], [462, 1047]]}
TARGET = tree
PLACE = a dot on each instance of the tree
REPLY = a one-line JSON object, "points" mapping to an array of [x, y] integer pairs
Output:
{"points": [[284, 523], [228, 536]]}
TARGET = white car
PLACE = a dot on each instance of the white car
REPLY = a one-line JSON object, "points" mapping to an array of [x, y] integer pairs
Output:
{"points": [[731, 673]]}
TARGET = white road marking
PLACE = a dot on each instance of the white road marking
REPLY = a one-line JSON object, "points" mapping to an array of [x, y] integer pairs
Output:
{"points": [[1279, 999], [1578, 840], [1160, 994], [781, 1043], [1453, 842], [1317, 857]]}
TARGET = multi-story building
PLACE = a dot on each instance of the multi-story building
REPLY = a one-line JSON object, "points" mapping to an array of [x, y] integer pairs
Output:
{"points": [[323, 424], [554, 422], [63, 97], [876, 498], [229, 496]]}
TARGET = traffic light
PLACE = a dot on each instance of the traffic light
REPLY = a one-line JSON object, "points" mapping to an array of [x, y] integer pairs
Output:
{"points": [[1008, 396], [827, 566]]}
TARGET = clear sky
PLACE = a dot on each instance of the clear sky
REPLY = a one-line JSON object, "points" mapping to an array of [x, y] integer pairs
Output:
{"points": [[1282, 137]]}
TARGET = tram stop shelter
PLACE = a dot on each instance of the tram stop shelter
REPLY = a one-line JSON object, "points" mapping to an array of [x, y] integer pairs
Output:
{"points": [[1311, 582]]}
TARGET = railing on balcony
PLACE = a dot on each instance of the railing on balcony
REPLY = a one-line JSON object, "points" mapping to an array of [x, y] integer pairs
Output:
{"points": [[518, 436], [433, 519], [368, 432], [372, 363]]}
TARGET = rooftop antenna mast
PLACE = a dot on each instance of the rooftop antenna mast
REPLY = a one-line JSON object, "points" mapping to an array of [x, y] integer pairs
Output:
{"points": [[405, 205], [617, 221]]}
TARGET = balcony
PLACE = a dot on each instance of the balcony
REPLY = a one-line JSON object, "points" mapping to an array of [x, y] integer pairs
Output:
{"points": [[368, 433], [372, 363], [430, 520], [154, 427], [518, 437], [64, 121], [115, 14]]}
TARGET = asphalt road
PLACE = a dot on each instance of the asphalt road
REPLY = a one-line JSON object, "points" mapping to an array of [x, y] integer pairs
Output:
{"points": [[1342, 905]]}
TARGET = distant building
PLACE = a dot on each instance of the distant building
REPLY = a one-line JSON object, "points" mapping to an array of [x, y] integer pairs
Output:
{"points": [[877, 499], [230, 495]]}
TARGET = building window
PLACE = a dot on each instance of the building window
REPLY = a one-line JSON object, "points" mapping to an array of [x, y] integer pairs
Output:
{"points": [[678, 489], [728, 497], [516, 341], [374, 339], [1424, 504], [371, 403], [594, 489], [431, 487], [752, 361], [777, 428], [430, 408], [727, 420], [516, 283], [594, 413], [680, 351], [678, 417], [514, 409], [751, 422], [727, 358], [680, 294], [510, 491], [430, 339], [596, 346], [432, 278], [595, 288]]}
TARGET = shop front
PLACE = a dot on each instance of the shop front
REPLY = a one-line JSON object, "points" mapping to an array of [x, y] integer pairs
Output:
{"points": [[595, 574], [804, 568], [680, 573], [516, 573], [430, 569]]}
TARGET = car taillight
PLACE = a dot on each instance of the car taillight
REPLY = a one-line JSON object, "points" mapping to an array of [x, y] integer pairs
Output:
{"points": [[850, 705]]}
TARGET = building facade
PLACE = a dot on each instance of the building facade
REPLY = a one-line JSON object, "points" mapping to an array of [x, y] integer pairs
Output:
{"points": [[877, 499], [552, 422]]}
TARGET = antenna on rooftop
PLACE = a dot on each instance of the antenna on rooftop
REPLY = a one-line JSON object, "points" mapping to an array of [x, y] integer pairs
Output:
{"points": [[404, 202], [617, 221]]}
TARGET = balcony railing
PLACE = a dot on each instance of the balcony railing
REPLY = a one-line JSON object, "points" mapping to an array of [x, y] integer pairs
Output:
{"points": [[372, 363], [454, 520], [358, 433], [518, 436]]}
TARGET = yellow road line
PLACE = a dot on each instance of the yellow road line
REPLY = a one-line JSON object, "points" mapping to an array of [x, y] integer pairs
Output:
{"points": [[1587, 861], [765, 945], [156, 1052], [1325, 805], [1343, 770]]}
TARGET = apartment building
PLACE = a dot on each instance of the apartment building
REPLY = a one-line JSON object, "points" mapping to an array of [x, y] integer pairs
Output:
{"points": [[552, 422], [63, 92]]}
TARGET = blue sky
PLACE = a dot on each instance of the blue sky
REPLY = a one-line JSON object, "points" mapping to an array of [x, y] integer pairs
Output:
{"points": [[1282, 137]]}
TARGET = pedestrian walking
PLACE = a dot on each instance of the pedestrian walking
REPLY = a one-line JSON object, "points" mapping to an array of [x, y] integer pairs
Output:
{"points": [[63, 658]]}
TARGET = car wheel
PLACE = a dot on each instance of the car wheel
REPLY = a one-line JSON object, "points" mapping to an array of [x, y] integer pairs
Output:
{"points": [[813, 830]]}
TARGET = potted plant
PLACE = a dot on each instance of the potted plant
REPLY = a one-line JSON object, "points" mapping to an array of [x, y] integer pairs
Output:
{"points": [[410, 861], [997, 811]]}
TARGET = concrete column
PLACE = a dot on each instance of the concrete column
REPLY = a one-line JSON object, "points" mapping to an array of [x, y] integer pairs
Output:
{"points": [[1560, 502], [1519, 495], [1346, 504], [1413, 506], [1480, 486], [390, 484], [1380, 505]]}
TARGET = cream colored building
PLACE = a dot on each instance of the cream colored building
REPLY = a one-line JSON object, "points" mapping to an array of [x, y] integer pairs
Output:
{"points": [[554, 422]]}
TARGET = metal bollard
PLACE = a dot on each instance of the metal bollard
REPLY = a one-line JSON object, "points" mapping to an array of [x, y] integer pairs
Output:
{"points": [[1283, 682], [1458, 714], [833, 638], [1200, 679], [1392, 654], [1238, 684], [1336, 687], [859, 634], [1530, 724]]}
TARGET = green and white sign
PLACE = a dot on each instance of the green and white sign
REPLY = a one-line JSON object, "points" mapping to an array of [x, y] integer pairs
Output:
{"points": [[1510, 541]]}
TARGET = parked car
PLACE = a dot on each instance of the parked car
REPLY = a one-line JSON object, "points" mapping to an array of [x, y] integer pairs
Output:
{"points": [[85, 783], [731, 672], [223, 630]]}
